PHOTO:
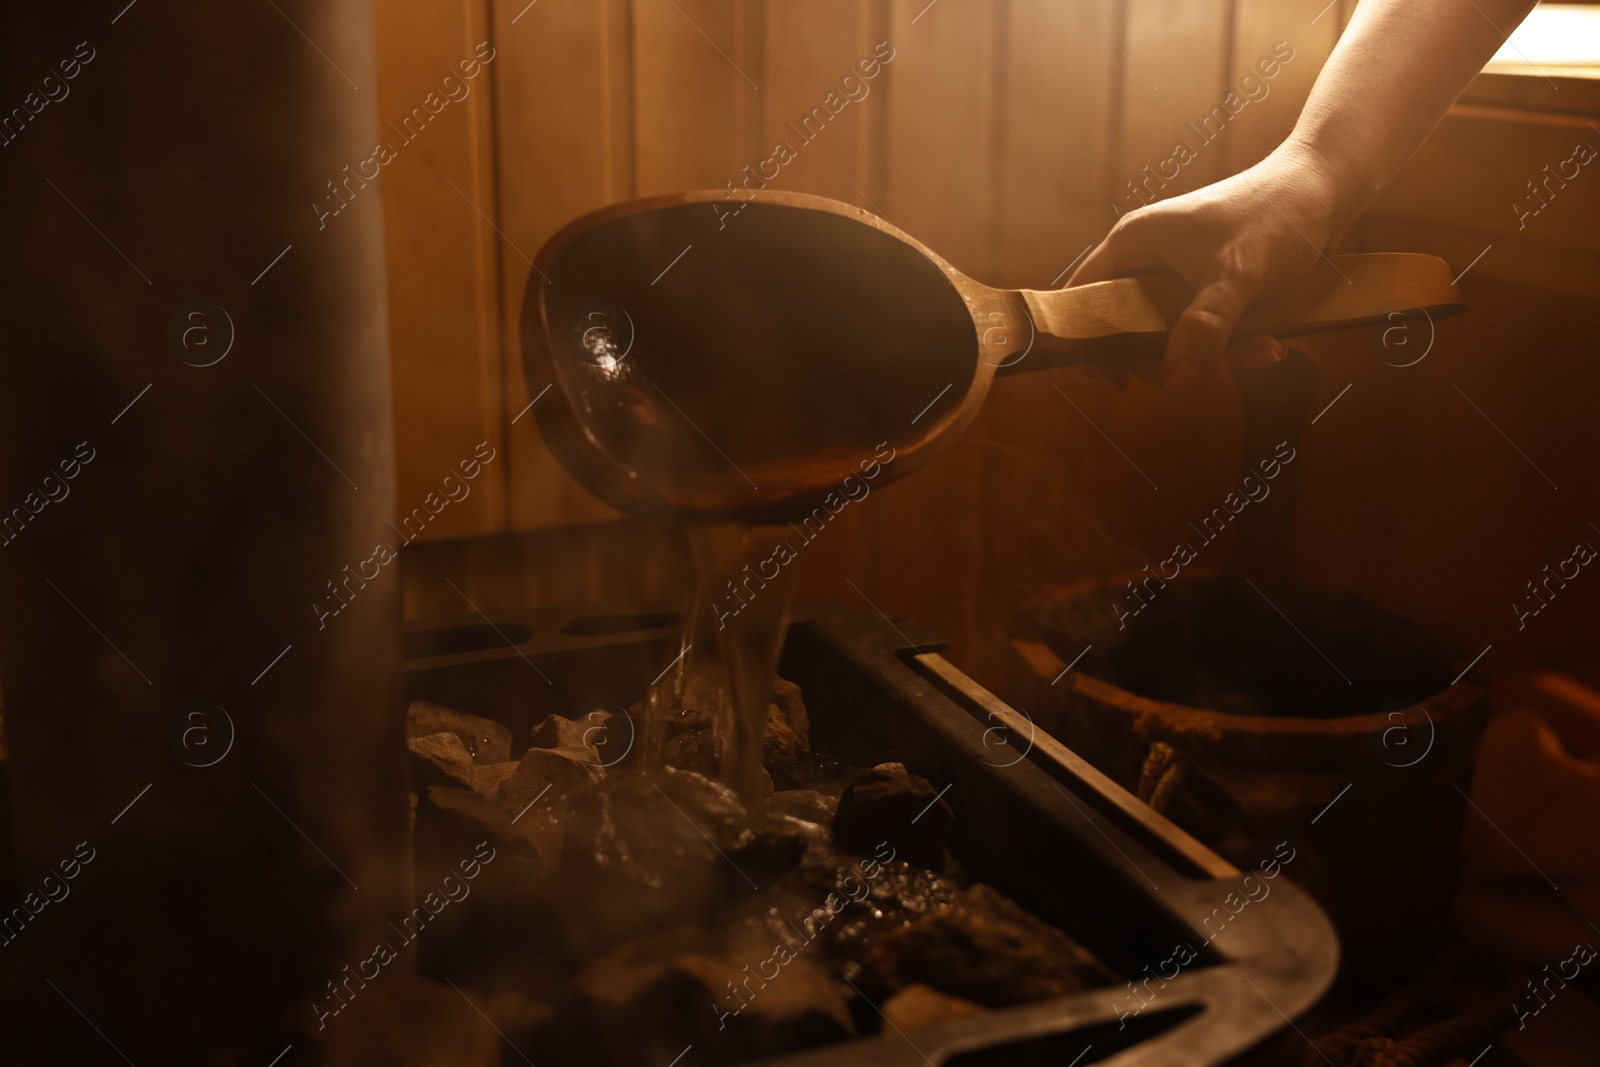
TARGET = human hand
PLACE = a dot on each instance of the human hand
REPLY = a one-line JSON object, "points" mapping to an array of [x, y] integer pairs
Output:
{"points": [[1235, 242]]}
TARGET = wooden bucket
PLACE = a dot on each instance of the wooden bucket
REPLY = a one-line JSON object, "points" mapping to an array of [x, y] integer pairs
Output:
{"points": [[1372, 801]]}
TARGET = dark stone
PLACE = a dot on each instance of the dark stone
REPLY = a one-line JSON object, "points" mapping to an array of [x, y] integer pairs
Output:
{"points": [[653, 996], [916, 1007], [770, 849], [486, 741], [519, 1018], [620, 977], [810, 805], [984, 948], [889, 803], [520, 805], [556, 731], [786, 741], [643, 851], [857, 900], [458, 817], [692, 747], [551, 776], [691, 743], [801, 1007], [443, 759], [630, 1006], [806, 811], [791, 708]]}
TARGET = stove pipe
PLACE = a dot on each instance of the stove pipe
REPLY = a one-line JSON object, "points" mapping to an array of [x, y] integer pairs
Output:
{"points": [[199, 636]]}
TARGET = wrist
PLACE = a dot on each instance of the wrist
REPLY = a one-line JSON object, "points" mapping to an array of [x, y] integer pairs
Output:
{"points": [[1345, 189]]}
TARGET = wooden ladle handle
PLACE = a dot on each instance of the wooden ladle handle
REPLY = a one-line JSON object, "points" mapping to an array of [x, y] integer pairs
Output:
{"points": [[1129, 317]]}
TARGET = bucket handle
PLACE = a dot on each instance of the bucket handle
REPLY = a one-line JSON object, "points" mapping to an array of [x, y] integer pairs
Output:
{"points": [[1164, 770]]}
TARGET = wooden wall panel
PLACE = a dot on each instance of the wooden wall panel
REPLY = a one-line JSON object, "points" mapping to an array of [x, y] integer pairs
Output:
{"points": [[1053, 164], [1109, 477], [697, 77], [1175, 61], [1475, 172], [941, 134], [925, 552], [1000, 134], [1467, 187], [1418, 493], [1265, 30], [810, 48], [563, 81], [1054, 168], [444, 334], [1446, 486]]}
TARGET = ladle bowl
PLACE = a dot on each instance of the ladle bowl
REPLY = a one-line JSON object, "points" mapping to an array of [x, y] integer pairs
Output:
{"points": [[740, 357]]}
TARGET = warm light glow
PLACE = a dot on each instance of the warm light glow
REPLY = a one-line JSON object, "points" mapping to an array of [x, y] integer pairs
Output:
{"points": [[1553, 35]]}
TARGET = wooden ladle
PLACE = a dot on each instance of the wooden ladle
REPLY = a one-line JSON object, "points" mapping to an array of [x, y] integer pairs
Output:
{"points": [[739, 357]]}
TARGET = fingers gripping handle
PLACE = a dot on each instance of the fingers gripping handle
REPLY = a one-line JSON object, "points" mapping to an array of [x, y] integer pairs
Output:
{"points": [[1130, 317]]}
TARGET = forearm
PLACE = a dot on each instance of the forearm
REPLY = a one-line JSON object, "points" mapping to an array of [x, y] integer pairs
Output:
{"points": [[1398, 67]]}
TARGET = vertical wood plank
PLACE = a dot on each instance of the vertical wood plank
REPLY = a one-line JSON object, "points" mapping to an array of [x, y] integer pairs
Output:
{"points": [[1053, 165], [697, 80], [563, 83], [924, 537], [1052, 159], [1264, 31], [941, 127], [1151, 460], [812, 50], [1177, 55], [440, 257]]}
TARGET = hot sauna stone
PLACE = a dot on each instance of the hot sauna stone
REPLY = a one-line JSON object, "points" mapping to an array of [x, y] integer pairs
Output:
{"points": [[803, 1007], [984, 948], [486, 741], [641, 912], [461, 817], [510, 805], [690, 741], [555, 775], [651, 850], [917, 1006], [520, 802], [770, 848], [556, 731], [691, 745], [889, 803], [811, 809], [656, 994], [520, 1018], [786, 742], [443, 759]]}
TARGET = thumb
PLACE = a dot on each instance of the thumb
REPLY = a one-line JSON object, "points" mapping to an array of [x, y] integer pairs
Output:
{"points": [[1199, 337], [1127, 248]]}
